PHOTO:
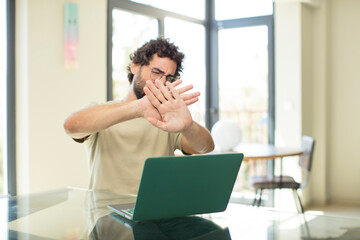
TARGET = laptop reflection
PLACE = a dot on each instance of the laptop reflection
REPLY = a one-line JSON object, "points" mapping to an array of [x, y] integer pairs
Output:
{"points": [[114, 226]]}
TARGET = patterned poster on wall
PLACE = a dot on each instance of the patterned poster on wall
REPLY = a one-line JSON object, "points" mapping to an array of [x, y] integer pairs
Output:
{"points": [[71, 36]]}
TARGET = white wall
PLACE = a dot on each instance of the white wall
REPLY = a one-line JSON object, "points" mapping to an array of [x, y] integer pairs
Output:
{"points": [[324, 92], [46, 92], [288, 74], [343, 101], [317, 124]]}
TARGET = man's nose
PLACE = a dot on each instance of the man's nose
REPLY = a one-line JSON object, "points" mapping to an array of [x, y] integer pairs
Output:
{"points": [[162, 79]]}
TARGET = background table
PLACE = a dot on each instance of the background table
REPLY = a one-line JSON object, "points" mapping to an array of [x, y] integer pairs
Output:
{"points": [[266, 151], [82, 214]]}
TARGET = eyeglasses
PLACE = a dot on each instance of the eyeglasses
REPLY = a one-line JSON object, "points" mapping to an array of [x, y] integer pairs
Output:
{"points": [[157, 74]]}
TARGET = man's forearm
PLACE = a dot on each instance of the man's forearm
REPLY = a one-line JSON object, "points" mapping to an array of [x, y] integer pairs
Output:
{"points": [[197, 139], [85, 122]]}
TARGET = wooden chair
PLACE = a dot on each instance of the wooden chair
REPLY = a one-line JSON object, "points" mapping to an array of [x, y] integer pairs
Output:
{"points": [[287, 182]]}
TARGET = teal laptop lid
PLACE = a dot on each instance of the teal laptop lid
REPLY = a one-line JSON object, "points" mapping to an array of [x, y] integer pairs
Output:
{"points": [[186, 185]]}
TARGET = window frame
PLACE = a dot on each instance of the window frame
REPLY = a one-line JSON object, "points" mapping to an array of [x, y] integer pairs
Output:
{"points": [[10, 99], [267, 20]]}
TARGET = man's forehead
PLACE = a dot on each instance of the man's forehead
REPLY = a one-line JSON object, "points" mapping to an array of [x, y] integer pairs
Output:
{"points": [[163, 63]]}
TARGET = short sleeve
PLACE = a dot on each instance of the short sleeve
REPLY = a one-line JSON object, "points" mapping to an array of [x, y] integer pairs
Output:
{"points": [[177, 142]]}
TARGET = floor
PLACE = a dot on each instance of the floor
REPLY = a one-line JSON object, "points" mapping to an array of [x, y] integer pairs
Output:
{"points": [[336, 210], [287, 204]]}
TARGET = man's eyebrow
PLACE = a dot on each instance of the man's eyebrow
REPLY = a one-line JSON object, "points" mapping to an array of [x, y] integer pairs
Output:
{"points": [[157, 69]]}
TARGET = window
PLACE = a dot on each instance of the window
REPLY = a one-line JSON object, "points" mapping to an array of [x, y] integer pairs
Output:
{"points": [[243, 80], [130, 29], [138, 29], [236, 83], [244, 91], [3, 65], [194, 63]]}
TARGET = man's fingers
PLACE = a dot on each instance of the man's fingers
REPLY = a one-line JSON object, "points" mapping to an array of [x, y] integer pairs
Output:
{"points": [[189, 96], [185, 89], [191, 101], [177, 83], [158, 93], [182, 89], [156, 123], [164, 90], [149, 94], [155, 91], [172, 89]]}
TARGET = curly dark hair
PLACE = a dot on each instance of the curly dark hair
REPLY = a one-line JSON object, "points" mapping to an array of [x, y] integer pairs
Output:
{"points": [[160, 46]]}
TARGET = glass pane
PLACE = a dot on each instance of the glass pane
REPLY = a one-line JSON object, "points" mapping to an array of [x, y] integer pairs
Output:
{"points": [[194, 64], [197, 9], [2, 97], [228, 9], [130, 31], [243, 87]]}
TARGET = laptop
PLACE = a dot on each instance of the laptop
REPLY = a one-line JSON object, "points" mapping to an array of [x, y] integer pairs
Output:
{"points": [[178, 186]]}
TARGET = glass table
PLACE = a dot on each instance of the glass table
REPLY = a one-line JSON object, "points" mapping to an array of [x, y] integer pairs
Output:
{"points": [[82, 214]]}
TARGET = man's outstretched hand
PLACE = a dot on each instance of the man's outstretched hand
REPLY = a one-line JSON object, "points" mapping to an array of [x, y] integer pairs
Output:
{"points": [[168, 110]]}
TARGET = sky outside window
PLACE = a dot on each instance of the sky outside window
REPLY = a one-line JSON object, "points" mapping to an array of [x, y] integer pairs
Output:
{"points": [[190, 8], [230, 9]]}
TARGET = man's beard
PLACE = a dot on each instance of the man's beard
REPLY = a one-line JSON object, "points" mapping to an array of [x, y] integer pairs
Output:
{"points": [[138, 87]]}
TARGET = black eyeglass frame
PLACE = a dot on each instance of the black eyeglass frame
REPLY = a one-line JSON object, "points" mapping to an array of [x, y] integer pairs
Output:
{"points": [[158, 74]]}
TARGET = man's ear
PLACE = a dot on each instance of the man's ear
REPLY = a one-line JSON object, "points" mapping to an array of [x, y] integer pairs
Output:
{"points": [[134, 68]]}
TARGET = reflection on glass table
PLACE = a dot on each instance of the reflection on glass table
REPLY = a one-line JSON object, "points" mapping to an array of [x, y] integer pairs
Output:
{"points": [[82, 214], [189, 227]]}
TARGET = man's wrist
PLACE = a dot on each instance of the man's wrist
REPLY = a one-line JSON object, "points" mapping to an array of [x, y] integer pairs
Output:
{"points": [[139, 107], [189, 129]]}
